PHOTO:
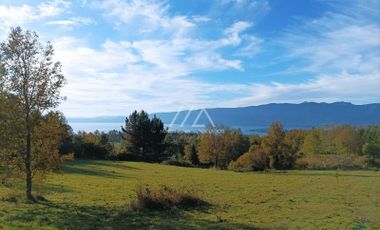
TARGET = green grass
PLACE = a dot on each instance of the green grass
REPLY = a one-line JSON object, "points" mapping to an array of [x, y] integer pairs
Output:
{"points": [[90, 195]]}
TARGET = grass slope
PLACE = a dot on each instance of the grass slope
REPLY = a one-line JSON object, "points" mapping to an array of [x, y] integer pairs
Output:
{"points": [[90, 194]]}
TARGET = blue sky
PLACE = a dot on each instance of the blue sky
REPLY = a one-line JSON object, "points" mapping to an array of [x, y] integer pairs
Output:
{"points": [[121, 55]]}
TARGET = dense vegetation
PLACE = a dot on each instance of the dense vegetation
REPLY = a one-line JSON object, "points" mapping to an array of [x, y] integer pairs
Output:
{"points": [[329, 147]]}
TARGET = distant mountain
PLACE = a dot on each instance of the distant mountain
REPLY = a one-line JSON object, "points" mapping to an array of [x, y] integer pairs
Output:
{"points": [[102, 119], [304, 115]]}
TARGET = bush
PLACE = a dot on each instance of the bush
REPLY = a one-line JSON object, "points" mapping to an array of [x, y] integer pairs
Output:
{"points": [[243, 163], [164, 198], [260, 159], [255, 160], [331, 161], [177, 163]]}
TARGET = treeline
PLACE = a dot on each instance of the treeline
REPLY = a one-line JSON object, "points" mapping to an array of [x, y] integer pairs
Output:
{"points": [[145, 139]]}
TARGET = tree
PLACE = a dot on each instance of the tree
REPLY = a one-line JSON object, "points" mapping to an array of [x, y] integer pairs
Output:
{"points": [[372, 152], [235, 144], [371, 134], [313, 143], [346, 140], [156, 140], [281, 151], [91, 145], [219, 145], [294, 139], [260, 159], [273, 144], [144, 138], [48, 135], [191, 154], [210, 149], [33, 80]]}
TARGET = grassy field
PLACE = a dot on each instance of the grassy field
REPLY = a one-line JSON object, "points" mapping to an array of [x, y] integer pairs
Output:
{"points": [[90, 195]]}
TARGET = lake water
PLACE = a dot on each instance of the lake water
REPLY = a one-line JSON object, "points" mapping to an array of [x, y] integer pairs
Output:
{"points": [[107, 126]]}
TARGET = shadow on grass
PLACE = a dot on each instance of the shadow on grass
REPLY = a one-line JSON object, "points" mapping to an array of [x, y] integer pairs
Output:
{"points": [[172, 219], [54, 188], [70, 216], [75, 169], [107, 163], [329, 173]]}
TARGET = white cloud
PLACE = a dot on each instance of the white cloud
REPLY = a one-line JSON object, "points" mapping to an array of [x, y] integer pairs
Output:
{"points": [[78, 58], [164, 64], [252, 47], [52, 8], [234, 32], [22, 15], [126, 75], [12, 15], [337, 42], [145, 16], [71, 22], [325, 88]]}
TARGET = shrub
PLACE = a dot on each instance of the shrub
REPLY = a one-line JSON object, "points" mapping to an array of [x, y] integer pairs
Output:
{"points": [[243, 163], [164, 198], [331, 161], [260, 159]]}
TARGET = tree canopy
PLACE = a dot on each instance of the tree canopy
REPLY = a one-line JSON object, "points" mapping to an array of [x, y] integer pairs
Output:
{"points": [[30, 81]]}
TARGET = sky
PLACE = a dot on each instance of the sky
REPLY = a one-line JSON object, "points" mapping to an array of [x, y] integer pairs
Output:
{"points": [[122, 55]]}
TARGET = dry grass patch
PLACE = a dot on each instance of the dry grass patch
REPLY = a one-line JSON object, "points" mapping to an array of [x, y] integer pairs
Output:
{"points": [[164, 198]]}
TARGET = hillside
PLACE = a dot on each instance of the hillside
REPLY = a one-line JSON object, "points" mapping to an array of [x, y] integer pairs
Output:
{"points": [[90, 194], [304, 115], [256, 118]]}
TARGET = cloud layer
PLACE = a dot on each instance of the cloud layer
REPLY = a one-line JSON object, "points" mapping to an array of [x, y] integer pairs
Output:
{"points": [[160, 59]]}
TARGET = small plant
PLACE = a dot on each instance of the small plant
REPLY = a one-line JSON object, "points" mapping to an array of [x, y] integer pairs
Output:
{"points": [[164, 198]]}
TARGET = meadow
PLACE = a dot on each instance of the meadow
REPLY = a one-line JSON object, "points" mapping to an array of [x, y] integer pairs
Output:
{"points": [[91, 194]]}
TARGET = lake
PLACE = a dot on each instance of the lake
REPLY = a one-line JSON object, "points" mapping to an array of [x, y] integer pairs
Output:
{"points": [[107, 126]]}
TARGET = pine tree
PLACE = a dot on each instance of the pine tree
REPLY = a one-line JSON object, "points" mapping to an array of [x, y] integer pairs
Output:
{"points": [[144, 137], [191, 154]]}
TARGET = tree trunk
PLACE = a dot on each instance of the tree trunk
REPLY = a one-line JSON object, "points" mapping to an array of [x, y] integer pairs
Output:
{"points": [[28, 170]]}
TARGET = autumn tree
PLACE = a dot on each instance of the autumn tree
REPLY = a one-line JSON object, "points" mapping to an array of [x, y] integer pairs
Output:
{"points": [[312, 144], [219, 145], [49, 133], [260, 159], [210, 148], [294, 140], [346, 140], [281, 154], [32, 80]]}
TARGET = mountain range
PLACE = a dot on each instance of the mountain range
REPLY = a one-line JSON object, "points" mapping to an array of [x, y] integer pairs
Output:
{"points": [[303, 115]]}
